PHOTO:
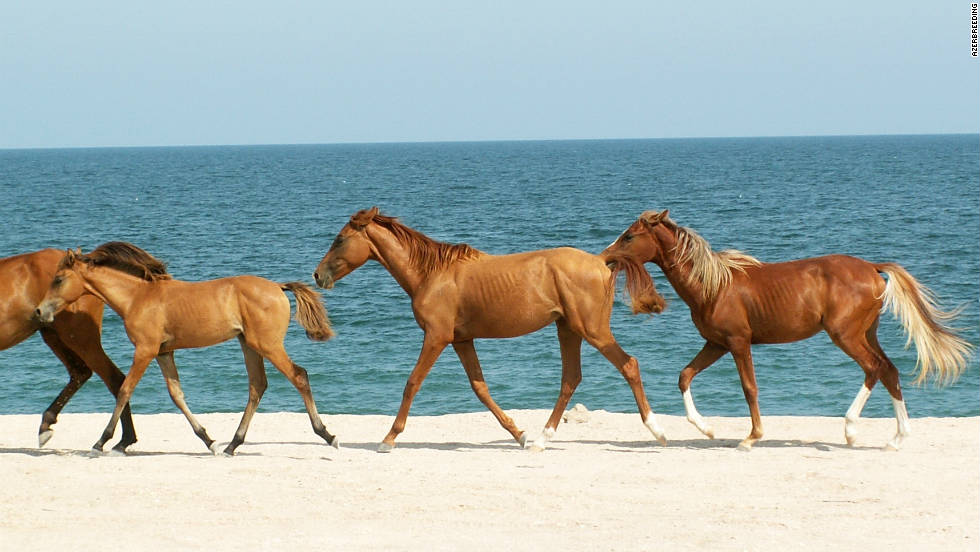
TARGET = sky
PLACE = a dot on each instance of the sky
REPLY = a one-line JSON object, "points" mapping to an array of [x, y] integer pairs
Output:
{"points": [[114, 73]]}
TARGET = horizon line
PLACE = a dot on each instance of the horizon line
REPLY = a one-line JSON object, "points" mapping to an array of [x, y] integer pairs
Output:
{"points": [[484, 140]]}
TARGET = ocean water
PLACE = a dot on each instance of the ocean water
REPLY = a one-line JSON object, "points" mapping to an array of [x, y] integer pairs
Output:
{"points": [[273, 211]]}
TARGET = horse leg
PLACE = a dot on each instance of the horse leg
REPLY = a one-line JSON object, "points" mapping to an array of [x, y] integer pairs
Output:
{"points": [[297, 375], [606, 344], [570, 344], [431, 349], [706, 357], [742, 352], [141, 359], [169, 370], [257, 384], [84, 329], [78, 374], [467, 356]]}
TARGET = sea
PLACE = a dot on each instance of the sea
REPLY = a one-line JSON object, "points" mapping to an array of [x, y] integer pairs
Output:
{"points": [[273, 211]]}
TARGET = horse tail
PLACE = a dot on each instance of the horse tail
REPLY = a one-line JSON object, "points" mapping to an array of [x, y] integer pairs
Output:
{"points": [[639, 287], [310, 312], [940, 349]]}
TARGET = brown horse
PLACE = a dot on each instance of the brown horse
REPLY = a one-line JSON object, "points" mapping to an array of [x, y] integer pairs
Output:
{"points": [[737, 301], [74, 336], [162, 315], [460, 294]]}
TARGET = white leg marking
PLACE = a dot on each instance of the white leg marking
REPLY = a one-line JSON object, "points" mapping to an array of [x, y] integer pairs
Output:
{"points": [[854, 414], [904, 427], [542, 442], [694, 417], [654, 427]]}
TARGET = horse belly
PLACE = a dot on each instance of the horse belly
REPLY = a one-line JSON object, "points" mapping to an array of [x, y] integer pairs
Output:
{"points": [[501, 321]]}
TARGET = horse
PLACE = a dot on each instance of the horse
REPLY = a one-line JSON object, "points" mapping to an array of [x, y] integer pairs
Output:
{"points": [[74, 336], [736, 301], [460, 293], [162, 314]]}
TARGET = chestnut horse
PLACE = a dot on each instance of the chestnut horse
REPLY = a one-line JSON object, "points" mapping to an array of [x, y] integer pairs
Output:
{"points": [[74, 336], [162, 315], [459, 294], [737, 301]]}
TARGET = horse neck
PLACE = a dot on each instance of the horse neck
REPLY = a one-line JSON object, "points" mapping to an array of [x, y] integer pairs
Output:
{"points": [[114, 288], [677, 273], [395, 256]]}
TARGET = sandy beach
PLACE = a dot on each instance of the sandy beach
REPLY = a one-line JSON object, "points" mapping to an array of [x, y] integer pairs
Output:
{"points": [[458, 482]]}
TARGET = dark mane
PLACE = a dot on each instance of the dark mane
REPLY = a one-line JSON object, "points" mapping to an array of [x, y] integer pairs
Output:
{"points": [[425, 253], [127, 258]]}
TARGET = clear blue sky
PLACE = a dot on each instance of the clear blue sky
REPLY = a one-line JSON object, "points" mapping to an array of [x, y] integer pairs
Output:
{"points": [[100, 73]]}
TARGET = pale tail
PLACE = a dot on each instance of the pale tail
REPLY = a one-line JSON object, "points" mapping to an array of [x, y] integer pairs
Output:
{"points": [[310, 312], [940, 350]]}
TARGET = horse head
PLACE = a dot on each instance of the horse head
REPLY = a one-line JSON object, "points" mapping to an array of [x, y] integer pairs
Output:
{"points": [[640, 241], [66, 287], [350, 249]]}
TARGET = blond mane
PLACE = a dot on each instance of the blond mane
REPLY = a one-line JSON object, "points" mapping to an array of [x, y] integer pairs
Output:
{"points": [[712, 270], [425, 253]]}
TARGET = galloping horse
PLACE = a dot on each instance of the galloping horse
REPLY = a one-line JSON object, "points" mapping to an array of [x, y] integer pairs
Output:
{"points": [[74, 336], [737, 301], [460, 294], [162, 315]]}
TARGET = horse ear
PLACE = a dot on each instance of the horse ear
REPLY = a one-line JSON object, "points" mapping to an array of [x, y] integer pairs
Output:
{"points": [[653, 218], [363, 217]]}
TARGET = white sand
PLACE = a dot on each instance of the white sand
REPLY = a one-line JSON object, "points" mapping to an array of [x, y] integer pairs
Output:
{"points": [[458, 482]]}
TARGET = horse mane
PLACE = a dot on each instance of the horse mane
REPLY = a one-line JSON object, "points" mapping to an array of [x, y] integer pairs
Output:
{"points": [[426, 254], [126, 257], [711, 269]]}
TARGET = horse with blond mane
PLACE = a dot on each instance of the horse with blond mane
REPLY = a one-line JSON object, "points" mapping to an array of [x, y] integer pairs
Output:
{"points": [[162, 314], [737, 301], [460, 294], [74, 336]]}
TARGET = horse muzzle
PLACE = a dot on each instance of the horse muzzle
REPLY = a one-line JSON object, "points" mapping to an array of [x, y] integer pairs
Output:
{"points": [[325, 281], [44, 313]]}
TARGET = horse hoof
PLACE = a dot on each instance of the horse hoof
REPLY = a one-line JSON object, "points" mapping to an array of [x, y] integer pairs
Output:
{"points": [[385, 448], [662, 439], [115, 452], [335, 443], [213, 447], [709, 433], [745, 447], [44, 437], [523, 440]]}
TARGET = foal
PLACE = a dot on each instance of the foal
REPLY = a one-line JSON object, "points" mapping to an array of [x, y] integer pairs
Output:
{"points": [[737, 301], [162, 315]]}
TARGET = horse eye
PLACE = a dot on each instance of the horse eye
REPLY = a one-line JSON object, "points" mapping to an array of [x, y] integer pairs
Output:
{"points": [[56, 281], [627, 237]]}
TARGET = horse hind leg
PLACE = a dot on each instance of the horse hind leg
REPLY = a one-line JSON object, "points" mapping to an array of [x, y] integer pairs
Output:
{"points": [[706, 357], [628, 366], [300, 379], [570, 344], [257, 384], [467, 356], [169, 370]]}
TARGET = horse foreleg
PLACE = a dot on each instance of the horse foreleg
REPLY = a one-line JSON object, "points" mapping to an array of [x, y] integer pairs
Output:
{"points": [[630, 370], [467, 356], [706, 357], [169, 370], [746, 372], [431, 349], [141, 359], [78, 374]]}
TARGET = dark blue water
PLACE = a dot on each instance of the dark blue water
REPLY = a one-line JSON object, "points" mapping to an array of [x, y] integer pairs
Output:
{"points": [[273, 211]]}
